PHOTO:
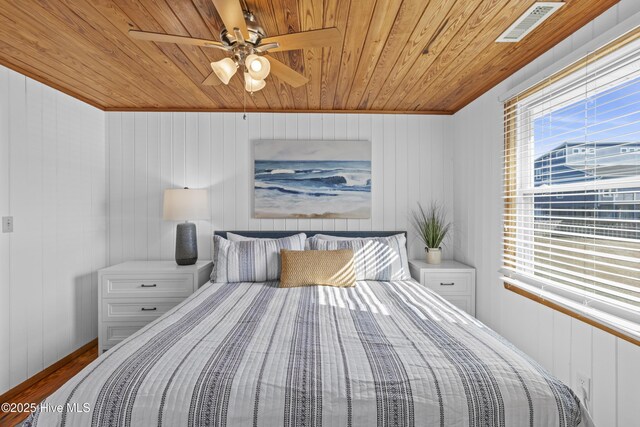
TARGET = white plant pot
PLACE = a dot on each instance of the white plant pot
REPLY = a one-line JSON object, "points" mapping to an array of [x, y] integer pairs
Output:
{"points": [[434, 255]]}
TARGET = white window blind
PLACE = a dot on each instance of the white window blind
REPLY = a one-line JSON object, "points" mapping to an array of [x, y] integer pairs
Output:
{"points": [[572, 188]]}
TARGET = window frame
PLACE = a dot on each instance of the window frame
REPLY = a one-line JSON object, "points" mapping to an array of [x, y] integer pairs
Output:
{"points": [[518, 171]]}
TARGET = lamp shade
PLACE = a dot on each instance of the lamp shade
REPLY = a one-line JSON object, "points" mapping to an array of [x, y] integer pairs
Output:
{"points": [[185, 204], [251, 84], [258, 67], [224, 69]]}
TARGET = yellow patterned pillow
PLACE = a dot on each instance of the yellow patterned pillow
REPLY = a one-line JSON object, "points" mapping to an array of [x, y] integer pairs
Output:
{"points": [[304, 268]]}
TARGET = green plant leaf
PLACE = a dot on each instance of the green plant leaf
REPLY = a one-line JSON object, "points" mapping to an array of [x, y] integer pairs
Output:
{"points": [[431, 225]]}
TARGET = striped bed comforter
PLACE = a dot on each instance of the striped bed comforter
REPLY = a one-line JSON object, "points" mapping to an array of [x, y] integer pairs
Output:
{"points": [[252, 354]]}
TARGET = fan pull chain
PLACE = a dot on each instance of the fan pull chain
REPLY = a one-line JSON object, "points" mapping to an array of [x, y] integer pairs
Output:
{"points": [[244, 99]]}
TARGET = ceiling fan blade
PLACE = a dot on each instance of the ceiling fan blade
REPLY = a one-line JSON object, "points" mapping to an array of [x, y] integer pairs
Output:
{"points": [[306, 39], [286, 74], [169, 38], [212, 80], [232, 16], [266, 47]]}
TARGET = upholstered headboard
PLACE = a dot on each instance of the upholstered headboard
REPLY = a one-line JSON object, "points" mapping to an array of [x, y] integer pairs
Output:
{"points": [[276, 234]]}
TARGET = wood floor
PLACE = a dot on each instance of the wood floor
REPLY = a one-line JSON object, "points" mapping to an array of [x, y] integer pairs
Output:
{"points": [[47, 385]]}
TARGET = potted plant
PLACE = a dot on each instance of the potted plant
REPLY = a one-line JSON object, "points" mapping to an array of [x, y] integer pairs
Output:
{"points": [[432, 228]]}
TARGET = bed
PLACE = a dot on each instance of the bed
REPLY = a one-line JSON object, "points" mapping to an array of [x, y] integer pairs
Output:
{"points": [[252, 354]]}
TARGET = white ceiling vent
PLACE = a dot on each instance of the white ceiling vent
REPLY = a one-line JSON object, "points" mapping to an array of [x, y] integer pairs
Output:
{"points": [[529, 20]]}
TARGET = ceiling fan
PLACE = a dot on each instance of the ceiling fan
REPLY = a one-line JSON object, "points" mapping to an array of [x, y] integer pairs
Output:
{"points": [[248, 46]]}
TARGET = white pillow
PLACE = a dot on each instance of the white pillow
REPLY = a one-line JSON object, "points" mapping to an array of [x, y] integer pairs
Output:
{"points": [[376, 258], [328, 237], [238, 238], [233, 237], [251, 260]]}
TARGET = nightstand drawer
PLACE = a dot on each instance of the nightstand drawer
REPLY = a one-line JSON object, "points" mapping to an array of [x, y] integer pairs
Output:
{"points": [[135, 293], [142, 310], [168, 286], [464, 303], [448, 282], [114, 332], [454, 281]]}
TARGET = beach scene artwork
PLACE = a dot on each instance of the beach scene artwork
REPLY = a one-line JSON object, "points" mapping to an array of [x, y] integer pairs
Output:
{"points": [[312, 179]]}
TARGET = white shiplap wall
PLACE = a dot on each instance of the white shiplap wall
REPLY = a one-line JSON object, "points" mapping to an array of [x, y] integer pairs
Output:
{"points": [[149, 152], [562, 344], [52, 179], [53, 182]]}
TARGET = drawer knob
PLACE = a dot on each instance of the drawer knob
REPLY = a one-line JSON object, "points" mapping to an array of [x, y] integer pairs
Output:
{"points": [[148, 286], [149, 309], [447, 284]]}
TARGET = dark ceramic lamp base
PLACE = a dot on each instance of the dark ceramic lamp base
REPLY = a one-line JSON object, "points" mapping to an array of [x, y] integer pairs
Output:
{"points": [[186, 244]]}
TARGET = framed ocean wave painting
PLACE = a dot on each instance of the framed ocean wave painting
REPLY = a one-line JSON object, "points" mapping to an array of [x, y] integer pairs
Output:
{"points": [[312, 179]]}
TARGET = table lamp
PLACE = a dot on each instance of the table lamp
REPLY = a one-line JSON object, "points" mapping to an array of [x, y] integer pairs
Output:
{"points": [[184, 205]]}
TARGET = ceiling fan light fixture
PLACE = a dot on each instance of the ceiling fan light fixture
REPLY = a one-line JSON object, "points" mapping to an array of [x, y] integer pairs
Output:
{"points": [[258, 67], [253, 85], [247, 45], [224, 69]]}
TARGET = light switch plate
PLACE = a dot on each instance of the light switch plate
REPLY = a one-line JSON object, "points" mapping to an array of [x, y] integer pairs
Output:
{"points": [[7, 224]]}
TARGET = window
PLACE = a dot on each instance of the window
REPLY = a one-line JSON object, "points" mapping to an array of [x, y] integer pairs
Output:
{"points": [[572, 190]]}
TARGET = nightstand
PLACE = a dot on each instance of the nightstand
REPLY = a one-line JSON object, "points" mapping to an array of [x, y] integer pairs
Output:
{"points": [[135, 293], [454, 281]]}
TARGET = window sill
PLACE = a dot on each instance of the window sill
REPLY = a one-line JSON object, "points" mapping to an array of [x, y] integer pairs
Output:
{"points": [[571, 313]]}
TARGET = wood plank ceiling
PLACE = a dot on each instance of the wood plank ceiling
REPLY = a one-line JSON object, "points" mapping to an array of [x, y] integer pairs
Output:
{"points": [[82, 48]]}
